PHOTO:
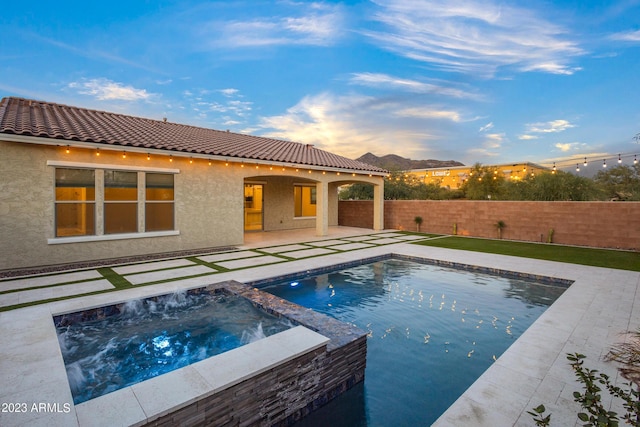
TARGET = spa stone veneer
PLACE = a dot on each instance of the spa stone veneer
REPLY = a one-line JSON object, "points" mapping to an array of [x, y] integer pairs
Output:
{"points": [[287, 392]]}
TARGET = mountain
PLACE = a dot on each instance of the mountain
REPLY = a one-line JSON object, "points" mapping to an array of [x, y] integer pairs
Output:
{"points": [[392, 162]]}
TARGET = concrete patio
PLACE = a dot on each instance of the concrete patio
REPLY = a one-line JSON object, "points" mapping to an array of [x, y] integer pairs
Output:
{"points": [[588, 318]]}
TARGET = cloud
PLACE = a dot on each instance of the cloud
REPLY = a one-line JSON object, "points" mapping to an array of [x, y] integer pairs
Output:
{"points": [[489, 147], [352, 125], [428, 113], [629, 36], [228, 92], [486, 127], [474, 37], [77, 48], [385, 81], [318, 25], [105, 89], [549, 127], [569, 146], [220, 107], [528, 137]]}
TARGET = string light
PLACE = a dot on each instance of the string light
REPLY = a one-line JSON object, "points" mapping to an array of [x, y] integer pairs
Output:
{"points": [[585, 162], [604, 163], [635, 160], [148, 156], [191, 160], [554, 167], [124, 154], [619, 159], [170, 158], [68, 149], [97, 152], [577, 167]]}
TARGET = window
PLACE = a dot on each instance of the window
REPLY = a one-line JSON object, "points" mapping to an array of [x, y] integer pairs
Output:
{"points": [[75, 202], [159, 202], [304, 199], [120, 202], [94, 204]]}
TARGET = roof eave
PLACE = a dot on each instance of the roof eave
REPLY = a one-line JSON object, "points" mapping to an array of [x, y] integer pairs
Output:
{"points": [[41, 140]]}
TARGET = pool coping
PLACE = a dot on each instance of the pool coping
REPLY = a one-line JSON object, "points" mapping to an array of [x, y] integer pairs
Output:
{"points": [[588, 318], [148, 400], [508, 274]]}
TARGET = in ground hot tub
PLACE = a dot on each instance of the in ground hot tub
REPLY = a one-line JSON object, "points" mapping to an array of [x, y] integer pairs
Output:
{"points": [[112, 347], [225, 352]]}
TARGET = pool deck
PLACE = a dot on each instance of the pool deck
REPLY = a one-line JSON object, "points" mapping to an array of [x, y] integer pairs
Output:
{"points": [[588, 318]]}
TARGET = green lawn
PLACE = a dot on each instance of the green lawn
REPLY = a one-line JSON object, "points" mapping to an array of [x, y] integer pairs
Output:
{"points": [[623, 260]]}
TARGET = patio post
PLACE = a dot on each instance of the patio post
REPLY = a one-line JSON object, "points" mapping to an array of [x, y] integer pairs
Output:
{"points": [[378, 206], [322, 209]]}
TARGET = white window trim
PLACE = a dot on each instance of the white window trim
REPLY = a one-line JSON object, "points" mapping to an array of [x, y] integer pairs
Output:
{"points": [[106, 237], [79, 165]]}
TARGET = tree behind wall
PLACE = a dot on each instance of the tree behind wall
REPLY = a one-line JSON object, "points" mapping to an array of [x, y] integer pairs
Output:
{"points": [[559, 186], [485, 183], [620, 182]]}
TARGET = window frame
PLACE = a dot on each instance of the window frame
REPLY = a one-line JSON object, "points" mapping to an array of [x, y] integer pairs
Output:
{"points": [[89, 205], [112, 202], [99, 203], [312, 200]]}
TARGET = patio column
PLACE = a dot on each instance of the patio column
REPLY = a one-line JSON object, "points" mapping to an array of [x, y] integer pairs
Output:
{"points": [[378, 206], [322, 209]]}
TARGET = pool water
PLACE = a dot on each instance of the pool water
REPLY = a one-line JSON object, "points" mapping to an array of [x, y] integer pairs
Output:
{"points": [[142, 339], [432, 331]]}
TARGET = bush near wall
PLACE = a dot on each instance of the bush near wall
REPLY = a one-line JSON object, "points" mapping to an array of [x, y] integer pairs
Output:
{"points": [[593, 224]]}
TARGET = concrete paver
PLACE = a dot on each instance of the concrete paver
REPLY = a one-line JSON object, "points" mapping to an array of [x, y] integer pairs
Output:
{"points": [[152, 266], [250, 262], [23, 297], [307, 253], [37, 281], [226, 256], [286, 248], [351, 246], [156, 276]]}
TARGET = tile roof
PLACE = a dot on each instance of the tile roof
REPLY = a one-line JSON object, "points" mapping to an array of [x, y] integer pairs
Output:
{"points": [[40, 119]]}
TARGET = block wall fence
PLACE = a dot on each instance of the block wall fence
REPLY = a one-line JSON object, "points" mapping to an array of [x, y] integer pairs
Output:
{"points": [[593, 224]]}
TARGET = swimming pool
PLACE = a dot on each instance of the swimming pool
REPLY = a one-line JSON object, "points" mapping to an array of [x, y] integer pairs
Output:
{"points": [[113, 347], [432, 331]]}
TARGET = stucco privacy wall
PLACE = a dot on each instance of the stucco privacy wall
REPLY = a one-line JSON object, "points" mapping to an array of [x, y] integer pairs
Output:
{"points": [[595, 224]]}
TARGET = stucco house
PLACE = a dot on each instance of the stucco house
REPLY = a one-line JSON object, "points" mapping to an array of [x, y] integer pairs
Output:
{"points": [[79, 185]]}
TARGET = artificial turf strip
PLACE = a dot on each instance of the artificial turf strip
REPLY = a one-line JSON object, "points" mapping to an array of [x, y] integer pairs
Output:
{"points": [[608, 258], [118, 281]]}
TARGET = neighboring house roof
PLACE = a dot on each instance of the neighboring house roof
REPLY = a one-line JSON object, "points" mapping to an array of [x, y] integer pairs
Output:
{"points": [[66, 123], [502, 165]]}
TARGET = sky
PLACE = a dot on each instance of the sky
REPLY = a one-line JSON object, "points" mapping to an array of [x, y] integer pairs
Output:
{"points": [[477, 81]]}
